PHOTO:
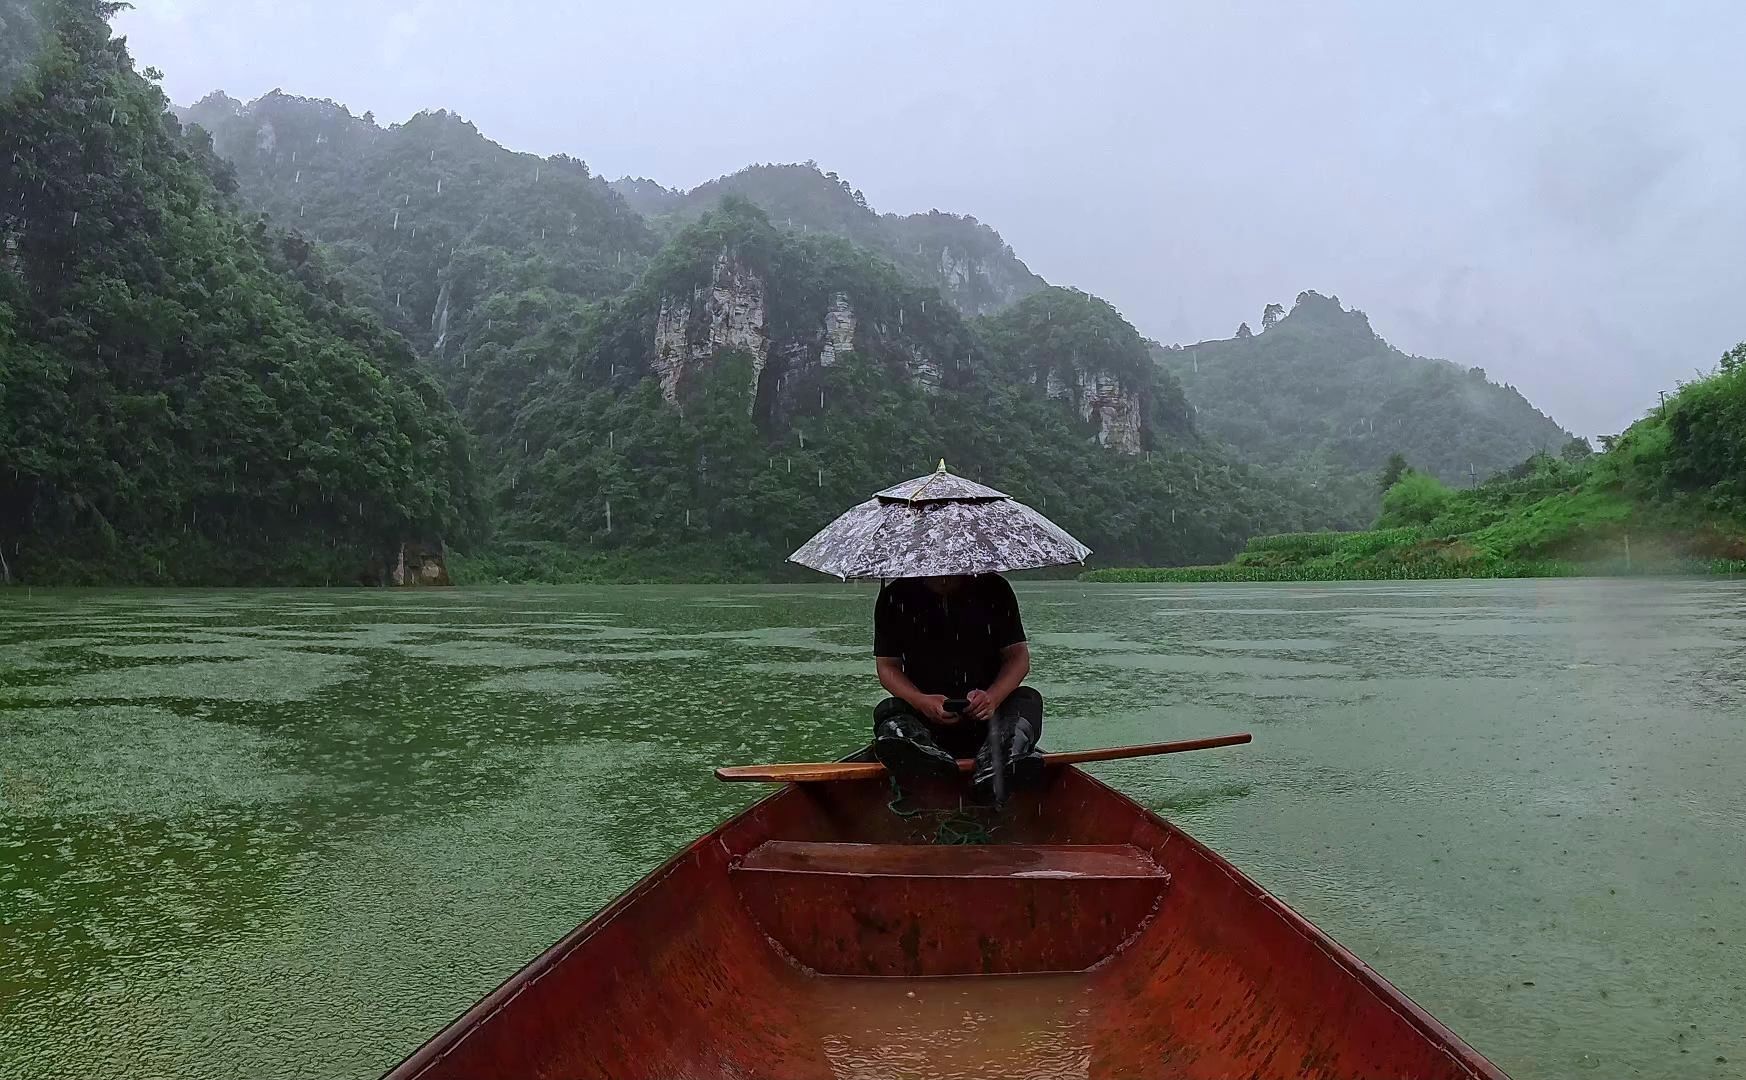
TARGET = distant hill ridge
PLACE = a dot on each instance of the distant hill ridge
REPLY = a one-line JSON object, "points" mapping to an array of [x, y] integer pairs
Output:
{"points": [[1317, 392], [972, 266]]}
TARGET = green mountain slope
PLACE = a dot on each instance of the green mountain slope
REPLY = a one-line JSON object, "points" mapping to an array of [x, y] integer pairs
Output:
{"points": [[593, 380], [185, 394], [1320, 394], [427, 219], [756, 382], [966, 260]]}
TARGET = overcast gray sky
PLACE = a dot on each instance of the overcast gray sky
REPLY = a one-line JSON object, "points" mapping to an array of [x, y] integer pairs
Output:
{"points": [[1555, 192]]}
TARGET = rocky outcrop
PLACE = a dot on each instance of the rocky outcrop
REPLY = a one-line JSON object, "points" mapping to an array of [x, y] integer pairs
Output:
{"points": [[439, 320], [956, 270], [420, 564], [839, 330], [727, 314], [924, 370], [1115, 410], [1104, 400]]}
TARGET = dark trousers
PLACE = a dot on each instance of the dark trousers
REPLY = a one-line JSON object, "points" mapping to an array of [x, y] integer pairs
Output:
{"points": [[967, 736]]}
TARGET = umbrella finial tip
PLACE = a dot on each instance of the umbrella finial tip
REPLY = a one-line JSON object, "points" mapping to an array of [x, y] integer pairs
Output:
{"points": [[942, 467]]}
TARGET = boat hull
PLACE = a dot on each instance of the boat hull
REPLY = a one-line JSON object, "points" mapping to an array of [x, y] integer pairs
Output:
{"points": [[792, 942]]}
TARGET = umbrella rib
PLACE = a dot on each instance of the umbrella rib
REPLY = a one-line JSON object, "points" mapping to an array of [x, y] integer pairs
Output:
{"points": [[916, 494]]}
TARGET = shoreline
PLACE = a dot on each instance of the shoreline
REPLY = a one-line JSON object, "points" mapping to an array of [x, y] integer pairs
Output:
{"points": [[1234, 573]]}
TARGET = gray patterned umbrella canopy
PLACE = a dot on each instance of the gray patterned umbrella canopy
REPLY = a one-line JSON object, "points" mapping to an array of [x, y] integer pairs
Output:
{"points": [[934, 526]]}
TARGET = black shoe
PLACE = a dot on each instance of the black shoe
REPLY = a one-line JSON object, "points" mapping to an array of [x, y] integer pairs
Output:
{"points": [[1021, 773], [1025, 771], [1021, 765], [907, 759]]}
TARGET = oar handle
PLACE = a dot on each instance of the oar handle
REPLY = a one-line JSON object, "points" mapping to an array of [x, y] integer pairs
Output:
{"points": [[872, 770]]}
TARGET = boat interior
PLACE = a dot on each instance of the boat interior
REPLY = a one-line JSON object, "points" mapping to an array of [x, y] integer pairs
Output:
{"points": [[822, 934]]}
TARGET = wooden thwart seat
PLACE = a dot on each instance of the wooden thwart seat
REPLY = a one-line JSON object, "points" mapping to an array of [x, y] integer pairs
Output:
{"points": [[918, 909], [954, 860]]}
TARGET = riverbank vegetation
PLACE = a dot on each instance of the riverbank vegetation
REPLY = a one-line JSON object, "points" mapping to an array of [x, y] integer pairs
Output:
{"points": [[186, 393], [1667, 496]]}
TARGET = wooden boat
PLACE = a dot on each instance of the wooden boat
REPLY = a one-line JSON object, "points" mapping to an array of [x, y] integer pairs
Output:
{"points": [[820, 934]]}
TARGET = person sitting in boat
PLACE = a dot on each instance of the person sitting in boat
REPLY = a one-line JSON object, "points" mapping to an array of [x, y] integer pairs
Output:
{"points": [[951, 651]]}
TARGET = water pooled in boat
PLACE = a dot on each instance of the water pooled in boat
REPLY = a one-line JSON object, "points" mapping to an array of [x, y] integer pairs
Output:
{"points": [[1022, 1027]]}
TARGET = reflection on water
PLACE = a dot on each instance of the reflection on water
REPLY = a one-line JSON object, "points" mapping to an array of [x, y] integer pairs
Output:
{"points": [[249, 834]]}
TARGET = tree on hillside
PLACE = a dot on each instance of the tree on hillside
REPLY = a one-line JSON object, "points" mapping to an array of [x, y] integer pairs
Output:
{"points": [[1416, 500], [1396, 468], [1271, 314], [1577, 449], [1243, 331]]}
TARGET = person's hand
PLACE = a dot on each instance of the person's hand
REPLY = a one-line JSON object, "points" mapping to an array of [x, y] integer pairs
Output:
{"points": [[981, 705], [933, 709]]}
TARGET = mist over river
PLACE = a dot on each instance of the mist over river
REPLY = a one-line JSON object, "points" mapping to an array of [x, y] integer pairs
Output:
{"points": [[253, 834]]}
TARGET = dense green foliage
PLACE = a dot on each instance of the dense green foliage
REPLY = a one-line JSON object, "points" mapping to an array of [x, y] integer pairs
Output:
{"points": [[182, 390], [1058, 335], [1666, 497], [757, 465], [1415, 498], [485, 258], [1317, 393], [556, 370]]}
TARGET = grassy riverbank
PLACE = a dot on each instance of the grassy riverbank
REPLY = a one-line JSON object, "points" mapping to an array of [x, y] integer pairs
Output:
{"points": [[1666, 497], [1416, 570], [1491, 532]]}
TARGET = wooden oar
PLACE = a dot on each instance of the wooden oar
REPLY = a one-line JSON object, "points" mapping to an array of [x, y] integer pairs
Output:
{"points": [[872, 770]]}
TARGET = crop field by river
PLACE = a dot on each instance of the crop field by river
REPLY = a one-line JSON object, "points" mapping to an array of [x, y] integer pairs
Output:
{"points": [[255, 834]]}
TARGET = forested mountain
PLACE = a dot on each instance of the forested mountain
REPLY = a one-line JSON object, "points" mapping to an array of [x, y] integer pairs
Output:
{"points": [[968, 261], [728, 395], [755, 382], [224, 354], [185, 393], [1319, 394], [428, 219]]}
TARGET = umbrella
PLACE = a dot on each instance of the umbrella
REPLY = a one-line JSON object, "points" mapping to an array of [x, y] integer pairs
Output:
{"points": [[934, 526]]}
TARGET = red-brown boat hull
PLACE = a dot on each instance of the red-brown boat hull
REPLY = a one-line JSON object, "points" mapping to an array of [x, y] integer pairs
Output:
{"points": [[1198, 972]]}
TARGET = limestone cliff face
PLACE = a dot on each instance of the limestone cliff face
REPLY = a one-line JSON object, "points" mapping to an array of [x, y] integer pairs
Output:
{"points": [[839, 330], [842, 331], [1103, 399], [419, 563], [924, 370], [1117, 411], [732, 312], [727, 314]]}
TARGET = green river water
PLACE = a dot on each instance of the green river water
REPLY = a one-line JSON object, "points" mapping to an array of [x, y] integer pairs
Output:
{"points": [[261, 834]]}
